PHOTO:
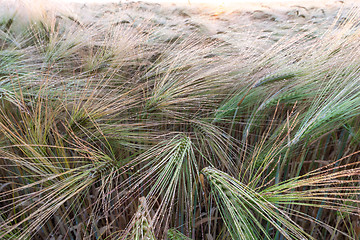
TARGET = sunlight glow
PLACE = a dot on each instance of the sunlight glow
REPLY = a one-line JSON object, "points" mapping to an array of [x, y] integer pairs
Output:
{"points": [[187, 2]]}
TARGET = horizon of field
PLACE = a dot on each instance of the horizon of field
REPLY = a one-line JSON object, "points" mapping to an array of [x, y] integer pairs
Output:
{"points": [[189, 2]]}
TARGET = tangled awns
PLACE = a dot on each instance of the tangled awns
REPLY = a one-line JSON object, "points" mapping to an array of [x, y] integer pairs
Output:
{"points": [[119, 130]]}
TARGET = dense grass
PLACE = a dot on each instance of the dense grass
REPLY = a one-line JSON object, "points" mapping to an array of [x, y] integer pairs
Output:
{"points": [[108, 132]]}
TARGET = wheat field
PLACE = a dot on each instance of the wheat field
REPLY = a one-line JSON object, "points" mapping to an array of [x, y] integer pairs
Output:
{"points": [[120, 130]]}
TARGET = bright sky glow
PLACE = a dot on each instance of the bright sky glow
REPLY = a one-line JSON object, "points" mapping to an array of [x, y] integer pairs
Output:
{"points": [[218, 4], [213, 2]]}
